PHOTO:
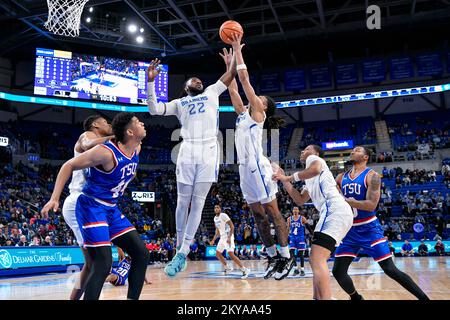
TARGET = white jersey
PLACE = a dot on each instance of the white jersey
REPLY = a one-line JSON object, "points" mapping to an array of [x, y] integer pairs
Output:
{"points": [[322, 187], [221, 223], [248, 138], [78, 179], [199, 115]]}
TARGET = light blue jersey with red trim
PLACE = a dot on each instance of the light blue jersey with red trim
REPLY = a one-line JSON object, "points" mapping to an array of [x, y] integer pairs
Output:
{"points": [[357, 188], [122, 271], [109, 186]]}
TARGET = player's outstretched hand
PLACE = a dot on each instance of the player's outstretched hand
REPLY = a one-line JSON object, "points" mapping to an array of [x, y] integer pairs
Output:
{"points": [[278, 176], [50, 205], [236, 41], [153, 70], [227, 56]]}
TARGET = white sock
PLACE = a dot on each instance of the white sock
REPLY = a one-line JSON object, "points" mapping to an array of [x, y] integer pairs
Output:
{"points": [[284, 251], [185, 247], [272, 251], [199, 194]]}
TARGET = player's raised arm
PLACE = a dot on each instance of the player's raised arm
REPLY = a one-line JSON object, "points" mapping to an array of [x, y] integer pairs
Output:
{"points": [[244, 78], [373, 194], [233, 87], [88, 140], [91, 158], [313, 170], [228, 77], [154, 107], [299, 197]]}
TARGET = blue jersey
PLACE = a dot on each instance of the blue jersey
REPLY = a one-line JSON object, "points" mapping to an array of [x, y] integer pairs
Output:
{"points": [[122, 271], [357, 188], [297, 228], [109, 186]]}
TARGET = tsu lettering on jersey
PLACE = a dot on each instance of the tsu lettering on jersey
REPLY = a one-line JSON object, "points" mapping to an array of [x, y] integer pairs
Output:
{"points": [[357, 188], [122, 271], [297, 234], [109, 186]]}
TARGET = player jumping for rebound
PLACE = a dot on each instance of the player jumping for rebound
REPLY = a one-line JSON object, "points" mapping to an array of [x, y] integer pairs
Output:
{"points": [[255, 170], [112, 166], [96, 131], [225, 231], [361, 188], [336, 216], [296, 226], [198, 159]]}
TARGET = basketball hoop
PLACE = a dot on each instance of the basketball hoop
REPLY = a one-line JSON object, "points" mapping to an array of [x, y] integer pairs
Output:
{"points": [[64, 17]]}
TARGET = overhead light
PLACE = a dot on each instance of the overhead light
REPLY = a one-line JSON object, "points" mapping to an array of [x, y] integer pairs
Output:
{"points": [[132, 28], [141, 30], [139, 39], [91, 9], [88, 19]]}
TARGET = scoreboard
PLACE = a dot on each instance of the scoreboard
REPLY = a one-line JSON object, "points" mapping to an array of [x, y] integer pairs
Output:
{"points": [[69, 75]]}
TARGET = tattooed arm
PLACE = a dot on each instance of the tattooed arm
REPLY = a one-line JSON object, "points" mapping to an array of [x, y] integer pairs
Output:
{"points": [[372, 196]]}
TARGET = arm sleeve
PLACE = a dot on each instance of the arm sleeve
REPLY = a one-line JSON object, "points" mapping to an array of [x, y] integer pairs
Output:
{"points": [[311, 159], [160, 108], [217, 88]]}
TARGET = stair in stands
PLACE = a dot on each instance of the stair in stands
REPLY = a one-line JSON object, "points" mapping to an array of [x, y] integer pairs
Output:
{"points": [[384, 142], [294, 144]]}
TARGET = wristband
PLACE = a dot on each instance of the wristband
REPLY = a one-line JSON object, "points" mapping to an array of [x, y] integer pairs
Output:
{"points": [[241, 67], [296, 178]]}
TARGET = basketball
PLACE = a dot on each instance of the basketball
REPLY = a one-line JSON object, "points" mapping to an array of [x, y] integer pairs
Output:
{"points": [[228, 28]]}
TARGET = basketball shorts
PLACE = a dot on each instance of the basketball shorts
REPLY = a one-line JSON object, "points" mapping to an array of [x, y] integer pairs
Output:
{"points": [[223, 244], [368, 238], [336, 219], [297, 243], [70, 217], [256, 181], [100, 222], [198, 162]]}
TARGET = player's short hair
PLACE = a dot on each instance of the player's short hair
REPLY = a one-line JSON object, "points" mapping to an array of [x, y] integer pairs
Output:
{"points": [[87, 123], [218, 204], [120, 124], [318, 149], [367, 151]]}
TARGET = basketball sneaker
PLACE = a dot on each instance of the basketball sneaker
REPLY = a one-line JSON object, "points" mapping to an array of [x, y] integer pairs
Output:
{"points": [[177, 264], [185, 263], [245, 273], [284, 267], [296, 272], [271, 267], [302, 273], [228, 269]]}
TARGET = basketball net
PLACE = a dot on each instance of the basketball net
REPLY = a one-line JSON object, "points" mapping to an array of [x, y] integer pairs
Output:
{"points": [[64, 17]]}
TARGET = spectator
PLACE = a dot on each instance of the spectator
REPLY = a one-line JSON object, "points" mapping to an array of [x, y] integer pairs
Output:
{"points": [[193, 254], [48, 241], [423, 249], [440, 248], [23, 242], [36, 241], [407, 249]]}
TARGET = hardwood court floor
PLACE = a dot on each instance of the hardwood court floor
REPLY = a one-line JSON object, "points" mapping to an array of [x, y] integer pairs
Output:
{"points": [[205, 280]]}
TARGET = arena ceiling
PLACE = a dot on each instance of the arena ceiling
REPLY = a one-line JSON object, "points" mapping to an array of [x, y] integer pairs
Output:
{"points": [[184, 28]]}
